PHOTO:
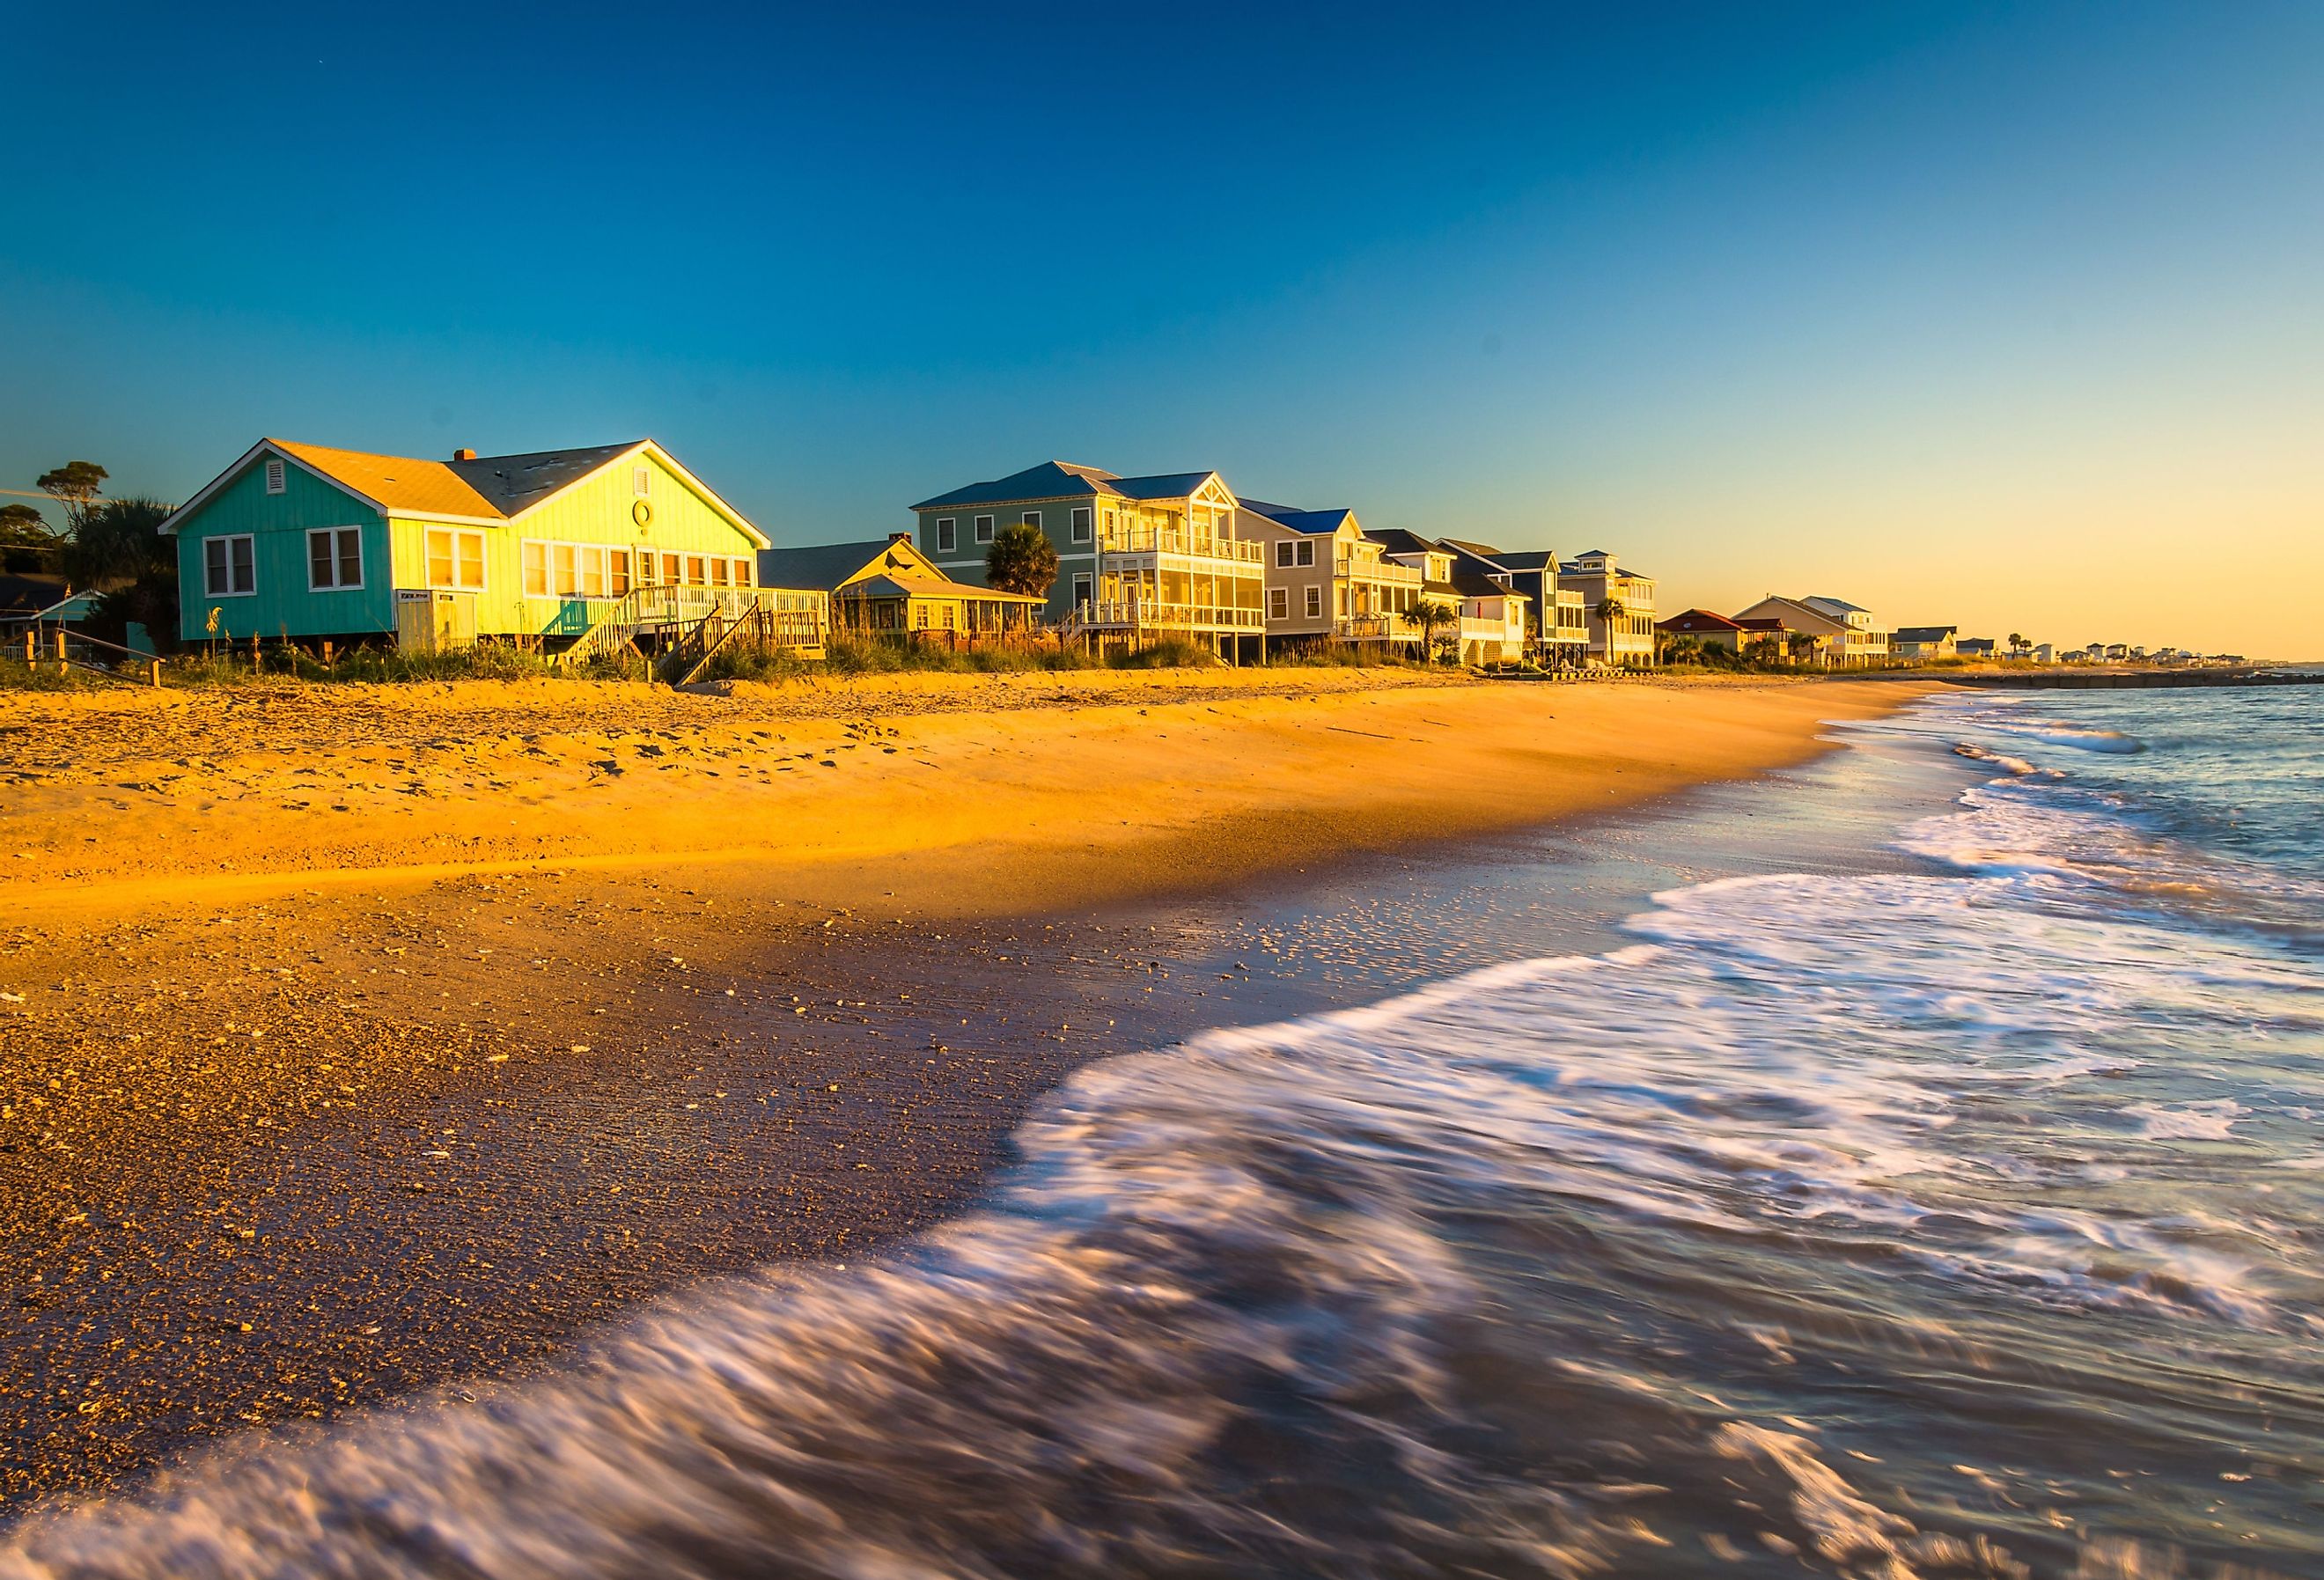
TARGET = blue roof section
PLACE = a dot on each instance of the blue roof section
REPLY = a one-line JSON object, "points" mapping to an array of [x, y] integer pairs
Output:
{"points": [[1049, 480], [1064, 480], [1310, 520], [1169, 485], [1272, 511]]}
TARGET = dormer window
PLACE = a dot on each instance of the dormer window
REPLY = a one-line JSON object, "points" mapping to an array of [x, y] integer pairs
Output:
{"points": [[276, 481]]}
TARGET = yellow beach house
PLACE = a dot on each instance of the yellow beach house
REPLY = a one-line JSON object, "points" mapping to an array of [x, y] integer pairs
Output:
{"points": [[302, 542]]}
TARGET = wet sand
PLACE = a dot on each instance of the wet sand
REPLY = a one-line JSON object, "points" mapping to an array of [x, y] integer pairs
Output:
{"points": [[306, 1109]]}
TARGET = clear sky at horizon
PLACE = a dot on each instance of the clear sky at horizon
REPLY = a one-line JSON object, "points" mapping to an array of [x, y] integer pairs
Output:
{"points": [[2011, 316]]}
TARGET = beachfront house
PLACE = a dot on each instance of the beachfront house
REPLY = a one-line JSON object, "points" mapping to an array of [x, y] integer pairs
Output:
{"points": [[1846, 637], [1707, 628], [1785, 628], [1865, 642], [1972, 647], [1627, 638], [887, 587], [1490, 624], [1557, 620], [302, 542], [1139, 558], [1326, 580], [1924, 641]]}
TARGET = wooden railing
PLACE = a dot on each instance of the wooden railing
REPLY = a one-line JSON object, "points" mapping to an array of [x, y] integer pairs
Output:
{"points": [[70, 649], [795, 618], [1140, 613], [1178, 540]]}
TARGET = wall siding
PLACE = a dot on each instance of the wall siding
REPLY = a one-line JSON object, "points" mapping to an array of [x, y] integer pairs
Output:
{"points": [[593, 510], [278, 522]]}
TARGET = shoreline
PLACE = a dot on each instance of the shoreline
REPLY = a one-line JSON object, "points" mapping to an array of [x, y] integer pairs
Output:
{"points": [[363, 1150]]}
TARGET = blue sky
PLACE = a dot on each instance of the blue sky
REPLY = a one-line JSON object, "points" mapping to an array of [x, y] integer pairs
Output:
{"points": [[1997, 313]]}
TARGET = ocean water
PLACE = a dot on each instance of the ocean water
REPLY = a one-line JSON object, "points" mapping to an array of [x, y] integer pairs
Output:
{"points": [[1963, 1219]]}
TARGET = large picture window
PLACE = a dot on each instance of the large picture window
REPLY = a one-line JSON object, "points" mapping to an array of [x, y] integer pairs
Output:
{"points": [[335, 559], [597, 570], [229, 567], [455, 560]]}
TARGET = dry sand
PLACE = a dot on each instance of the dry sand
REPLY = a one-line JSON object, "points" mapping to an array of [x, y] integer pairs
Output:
{"points": [[359, 1039]]}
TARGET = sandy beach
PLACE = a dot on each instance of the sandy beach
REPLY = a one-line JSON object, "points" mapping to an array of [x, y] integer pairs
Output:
{"points": [[360, 1040]]}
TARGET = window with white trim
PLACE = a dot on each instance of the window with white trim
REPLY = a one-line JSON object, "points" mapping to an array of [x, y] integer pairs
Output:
{"points": [[1283, 555], [333, 559], [1081, 525], [229, 566], [1278, 603], [534, 554], [1306, 550], [1031, 518], [455, 560], [984, 529], [945, 536], [277, 477], [1315, 603], [1081, 588]]}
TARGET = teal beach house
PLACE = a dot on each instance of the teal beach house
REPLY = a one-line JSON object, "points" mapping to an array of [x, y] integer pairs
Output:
{"points": [[300, 542]]}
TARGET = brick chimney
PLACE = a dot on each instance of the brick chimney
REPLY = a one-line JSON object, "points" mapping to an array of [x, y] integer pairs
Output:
{"points": [[464, 454]]}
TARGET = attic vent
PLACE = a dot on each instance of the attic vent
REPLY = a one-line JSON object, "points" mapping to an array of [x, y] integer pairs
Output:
{"points": [[640, 479], [275, 479]]}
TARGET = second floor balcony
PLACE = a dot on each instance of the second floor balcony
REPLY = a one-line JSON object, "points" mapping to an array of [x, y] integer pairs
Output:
{"points": [[1385, 573], [1153, 615], [1182, 543]]}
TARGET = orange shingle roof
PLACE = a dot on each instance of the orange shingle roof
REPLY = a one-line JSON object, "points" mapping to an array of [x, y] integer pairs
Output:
{"points": [[397, 482]]}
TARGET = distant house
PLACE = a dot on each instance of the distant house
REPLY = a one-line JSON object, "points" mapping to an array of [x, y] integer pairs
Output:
{"points": [[1924, 641], [2045, 653], [887, 587], [1137, 556], [1490, 615], [1804, 634], [1973, 647], [1327, 579], [1848, 635], [1598, 577], [1708, 629], [30, 598], [302, 540]]}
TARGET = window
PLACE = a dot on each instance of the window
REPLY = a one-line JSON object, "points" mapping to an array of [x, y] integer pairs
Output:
{"points": [[617, 573], [1082, 588], [568, 573], [455, 560], [1031, 518], [696, 576], [647, 561], [593, 571], [640, 480], [333, 559], [1283, 555], [1306, 550], [744, 572], [671, 570], [945, 537], [920, 614], [276, 480], [1278, 603], [1081, 524], [229, 568], [984, 529], [1315, 603], [721, 569], [535, 556]]}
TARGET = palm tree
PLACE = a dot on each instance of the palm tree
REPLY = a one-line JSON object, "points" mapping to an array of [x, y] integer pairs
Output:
{"points": [[2017, 644], [1427, 616]]}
